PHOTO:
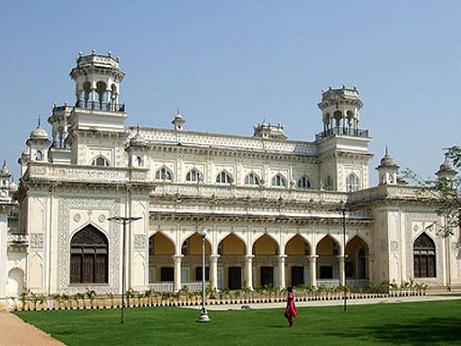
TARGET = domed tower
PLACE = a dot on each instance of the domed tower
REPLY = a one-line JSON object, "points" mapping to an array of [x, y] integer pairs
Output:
{"points": [[342, 147], [38, 144], [97, 82], [387, 170], [446, 170], [340, 111], [178, 121], [4, 181]]}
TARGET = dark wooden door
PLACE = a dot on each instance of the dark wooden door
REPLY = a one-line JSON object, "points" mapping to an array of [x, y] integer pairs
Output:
{"points": [[267, 276], [297, 276], [235, 278]]}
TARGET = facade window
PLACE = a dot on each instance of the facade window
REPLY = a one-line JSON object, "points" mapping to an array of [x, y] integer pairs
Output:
{"points": [[139, 161], [193, 176], [39, 156], [100, 161], [328, 183], [352, 183], [89, 256], [304, 183], [223, 178], [279, 181], [166, 274], [185, 248], [252, 179], [424, 257], [164, 174]]}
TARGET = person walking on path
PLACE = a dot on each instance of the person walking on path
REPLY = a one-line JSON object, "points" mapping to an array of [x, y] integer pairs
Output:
{"points": [[290, 310]]}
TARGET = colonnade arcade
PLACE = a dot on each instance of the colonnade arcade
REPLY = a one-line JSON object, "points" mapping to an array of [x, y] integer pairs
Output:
{"points": [[235, 263]]}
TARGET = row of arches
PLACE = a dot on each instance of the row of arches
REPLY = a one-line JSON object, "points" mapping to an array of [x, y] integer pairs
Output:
{"points": [[295, 264], [224, 177], [233, 265]]}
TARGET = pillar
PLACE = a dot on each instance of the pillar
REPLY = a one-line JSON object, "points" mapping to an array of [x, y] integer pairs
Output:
{"points": [[214, 271], [281, 283], [313, 269], [342, 273], [370, 268], [177, 272], [249, 271]]}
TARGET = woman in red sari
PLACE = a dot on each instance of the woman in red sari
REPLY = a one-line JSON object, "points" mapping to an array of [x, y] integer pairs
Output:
{"points": [[290, 310]]}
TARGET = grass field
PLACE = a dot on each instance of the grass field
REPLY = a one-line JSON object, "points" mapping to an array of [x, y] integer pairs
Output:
{"points": [[431, 323]]}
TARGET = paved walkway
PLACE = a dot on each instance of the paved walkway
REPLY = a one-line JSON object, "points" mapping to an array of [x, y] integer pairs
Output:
{"points": [[390, 300], [15, 332]]}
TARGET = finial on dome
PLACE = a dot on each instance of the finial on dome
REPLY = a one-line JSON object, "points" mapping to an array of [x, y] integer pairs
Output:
{"points": [[39, 122], [385, 150], [93, 51]]}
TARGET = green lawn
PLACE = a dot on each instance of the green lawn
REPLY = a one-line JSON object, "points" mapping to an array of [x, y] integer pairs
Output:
{"points": [[406, 324]]}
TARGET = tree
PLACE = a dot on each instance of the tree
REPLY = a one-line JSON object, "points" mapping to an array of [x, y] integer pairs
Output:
{"points": [[446, 190]]}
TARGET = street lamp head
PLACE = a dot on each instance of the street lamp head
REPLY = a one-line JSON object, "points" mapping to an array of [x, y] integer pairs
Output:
{"points": [[203, 232]]}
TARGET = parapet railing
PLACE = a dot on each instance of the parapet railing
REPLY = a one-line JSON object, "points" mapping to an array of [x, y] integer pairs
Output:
{"points": [[101, 106], [344, 131]]}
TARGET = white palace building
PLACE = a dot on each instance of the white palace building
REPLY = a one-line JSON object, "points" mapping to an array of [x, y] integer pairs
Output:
{"points": [[271, 205]]}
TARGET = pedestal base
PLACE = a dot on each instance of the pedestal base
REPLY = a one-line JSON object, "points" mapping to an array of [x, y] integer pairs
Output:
{"points": [[203, 316]]}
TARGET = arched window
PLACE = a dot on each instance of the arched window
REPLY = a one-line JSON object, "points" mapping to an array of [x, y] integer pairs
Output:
{"points": [[252, 179], [304, 183], [223, 178], [424, 257], [39, 156], [352, 183], [140, 161], [100, 161], [89, 256], [279, 181], [164, 174], [193, 176]]}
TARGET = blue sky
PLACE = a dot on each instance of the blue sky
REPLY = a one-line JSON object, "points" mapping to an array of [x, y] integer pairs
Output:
{"points": [[229, 64]]}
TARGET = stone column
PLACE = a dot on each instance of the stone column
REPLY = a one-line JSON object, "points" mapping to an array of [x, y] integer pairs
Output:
{"points": [[214, 271], [177, 272], [281, 259], [342, 273], [370, 268], [313, 269], [249, 271]]}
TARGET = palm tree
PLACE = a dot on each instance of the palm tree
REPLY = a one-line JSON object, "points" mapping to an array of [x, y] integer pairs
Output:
{"points": [[91, 294]]}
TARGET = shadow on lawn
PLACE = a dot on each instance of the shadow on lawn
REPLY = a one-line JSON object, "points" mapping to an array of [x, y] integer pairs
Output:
{"points": [[428, 331]]}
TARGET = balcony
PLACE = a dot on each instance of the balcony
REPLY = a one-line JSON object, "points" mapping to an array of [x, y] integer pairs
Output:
{"points": [[18, 242], [342, 131], [101, 106]]}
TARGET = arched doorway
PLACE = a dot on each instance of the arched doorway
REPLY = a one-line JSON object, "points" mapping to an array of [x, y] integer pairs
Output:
{"points": [[424, 264], [191, 269], [265, 250], [356, 261], [161, 265], [231, 262], [15, 283], [298, 251], [89, 262], [328, 250]]}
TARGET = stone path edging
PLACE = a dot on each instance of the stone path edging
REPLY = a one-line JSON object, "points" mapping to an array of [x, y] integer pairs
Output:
{"points": [[388, 300]]}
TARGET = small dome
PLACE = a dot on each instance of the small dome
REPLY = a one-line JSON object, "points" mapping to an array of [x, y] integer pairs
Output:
{"points": [[137, 140], [4, 172], [38, 133], [13, 187], [446, 169], [387, 161]]}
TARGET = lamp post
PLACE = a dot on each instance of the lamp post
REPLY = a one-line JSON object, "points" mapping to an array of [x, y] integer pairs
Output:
{"points": [[203, 313], [123, 221], [342, 209]]}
